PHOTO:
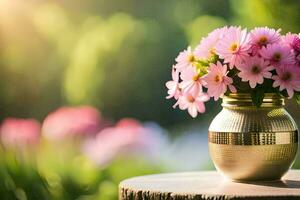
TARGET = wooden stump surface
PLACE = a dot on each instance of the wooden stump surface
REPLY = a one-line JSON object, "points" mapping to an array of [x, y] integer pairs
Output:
{"points": [[208, 185]]}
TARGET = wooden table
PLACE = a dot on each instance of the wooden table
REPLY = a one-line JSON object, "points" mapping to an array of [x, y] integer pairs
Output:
{"points": [[207, 185]]}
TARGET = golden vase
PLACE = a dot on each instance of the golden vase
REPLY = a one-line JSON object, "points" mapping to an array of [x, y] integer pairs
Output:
{"points": [[247, 143]]}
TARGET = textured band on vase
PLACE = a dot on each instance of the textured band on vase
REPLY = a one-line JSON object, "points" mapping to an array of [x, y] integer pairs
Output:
{"points": [[261, 138]]}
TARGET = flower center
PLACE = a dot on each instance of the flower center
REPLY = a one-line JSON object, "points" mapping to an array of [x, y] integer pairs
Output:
{"points": [[277, 57], [263, 40], [218, 78], [191, 58], [190, 98], [255, 69], [233, 47], [286, 76], [196, 77], [212, 51]]}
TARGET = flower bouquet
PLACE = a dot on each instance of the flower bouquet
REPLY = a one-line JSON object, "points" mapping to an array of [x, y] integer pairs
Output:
{"points": [[253, 137], [233, 60]]}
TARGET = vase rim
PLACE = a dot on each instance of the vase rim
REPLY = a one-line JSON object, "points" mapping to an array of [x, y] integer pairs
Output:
{"points": [[245, 100]]}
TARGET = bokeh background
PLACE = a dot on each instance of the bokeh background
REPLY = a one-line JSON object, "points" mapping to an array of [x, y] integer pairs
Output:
{"points": [[82, 90]]}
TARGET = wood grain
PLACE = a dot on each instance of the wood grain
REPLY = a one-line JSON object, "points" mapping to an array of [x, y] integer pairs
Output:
{"points": [[208, 185]]}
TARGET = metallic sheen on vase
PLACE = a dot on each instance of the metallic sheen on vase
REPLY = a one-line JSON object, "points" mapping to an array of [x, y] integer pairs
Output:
{"points": [[247, 143]]}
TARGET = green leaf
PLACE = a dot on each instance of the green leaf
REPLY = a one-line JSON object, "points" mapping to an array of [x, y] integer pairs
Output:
{"points": [[241, 85], [297, 97], [214, 58], [257, 96]]}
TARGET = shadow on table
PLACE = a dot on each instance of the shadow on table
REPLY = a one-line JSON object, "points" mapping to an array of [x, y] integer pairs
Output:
{"points": [[278, 184]]}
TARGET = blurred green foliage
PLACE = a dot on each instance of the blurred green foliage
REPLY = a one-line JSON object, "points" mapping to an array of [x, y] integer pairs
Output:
{"points": [[274, 13], [115, 55], [110, 54], [68, 175]]}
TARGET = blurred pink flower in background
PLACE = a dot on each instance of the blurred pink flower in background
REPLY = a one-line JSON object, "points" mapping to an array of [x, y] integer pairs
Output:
{"points": [[127, 137], [16, 132], [72, 121]]}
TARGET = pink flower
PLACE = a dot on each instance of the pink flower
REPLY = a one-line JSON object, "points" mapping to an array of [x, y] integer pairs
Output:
{"points": [[217, 81], [20, 132], [293, 41], [191, 81], [278, 54], [193, 104], [263, 36], [288, 39], [234, 46], [288, 77], [185, 59], [72, 121], [298, 59], [173, 86], [296, 47], [296, 44], [254, 70], [128, 123], [127, 137], [207, 46]]}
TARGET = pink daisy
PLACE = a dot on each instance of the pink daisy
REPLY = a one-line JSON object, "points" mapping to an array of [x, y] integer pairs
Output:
{"points": [[296, 44], [191, 81], [217, 81], [293, 41], [254, 70], [296, 47], [288, 77], [207, 46], [278, 54], [234, 46], [262, 36], [193, 104], [185, 59], [173, 85], [288, 39]]}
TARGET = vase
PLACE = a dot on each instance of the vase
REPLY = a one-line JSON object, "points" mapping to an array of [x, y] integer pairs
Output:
{"points": [[248, 143]]}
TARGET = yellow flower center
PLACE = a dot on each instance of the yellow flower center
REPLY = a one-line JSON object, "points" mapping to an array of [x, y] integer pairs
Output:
{"points": [[191, 58], [234, 47], [190, 98], [218, 78], [196, 77], [263, 40], [212, 51]]}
